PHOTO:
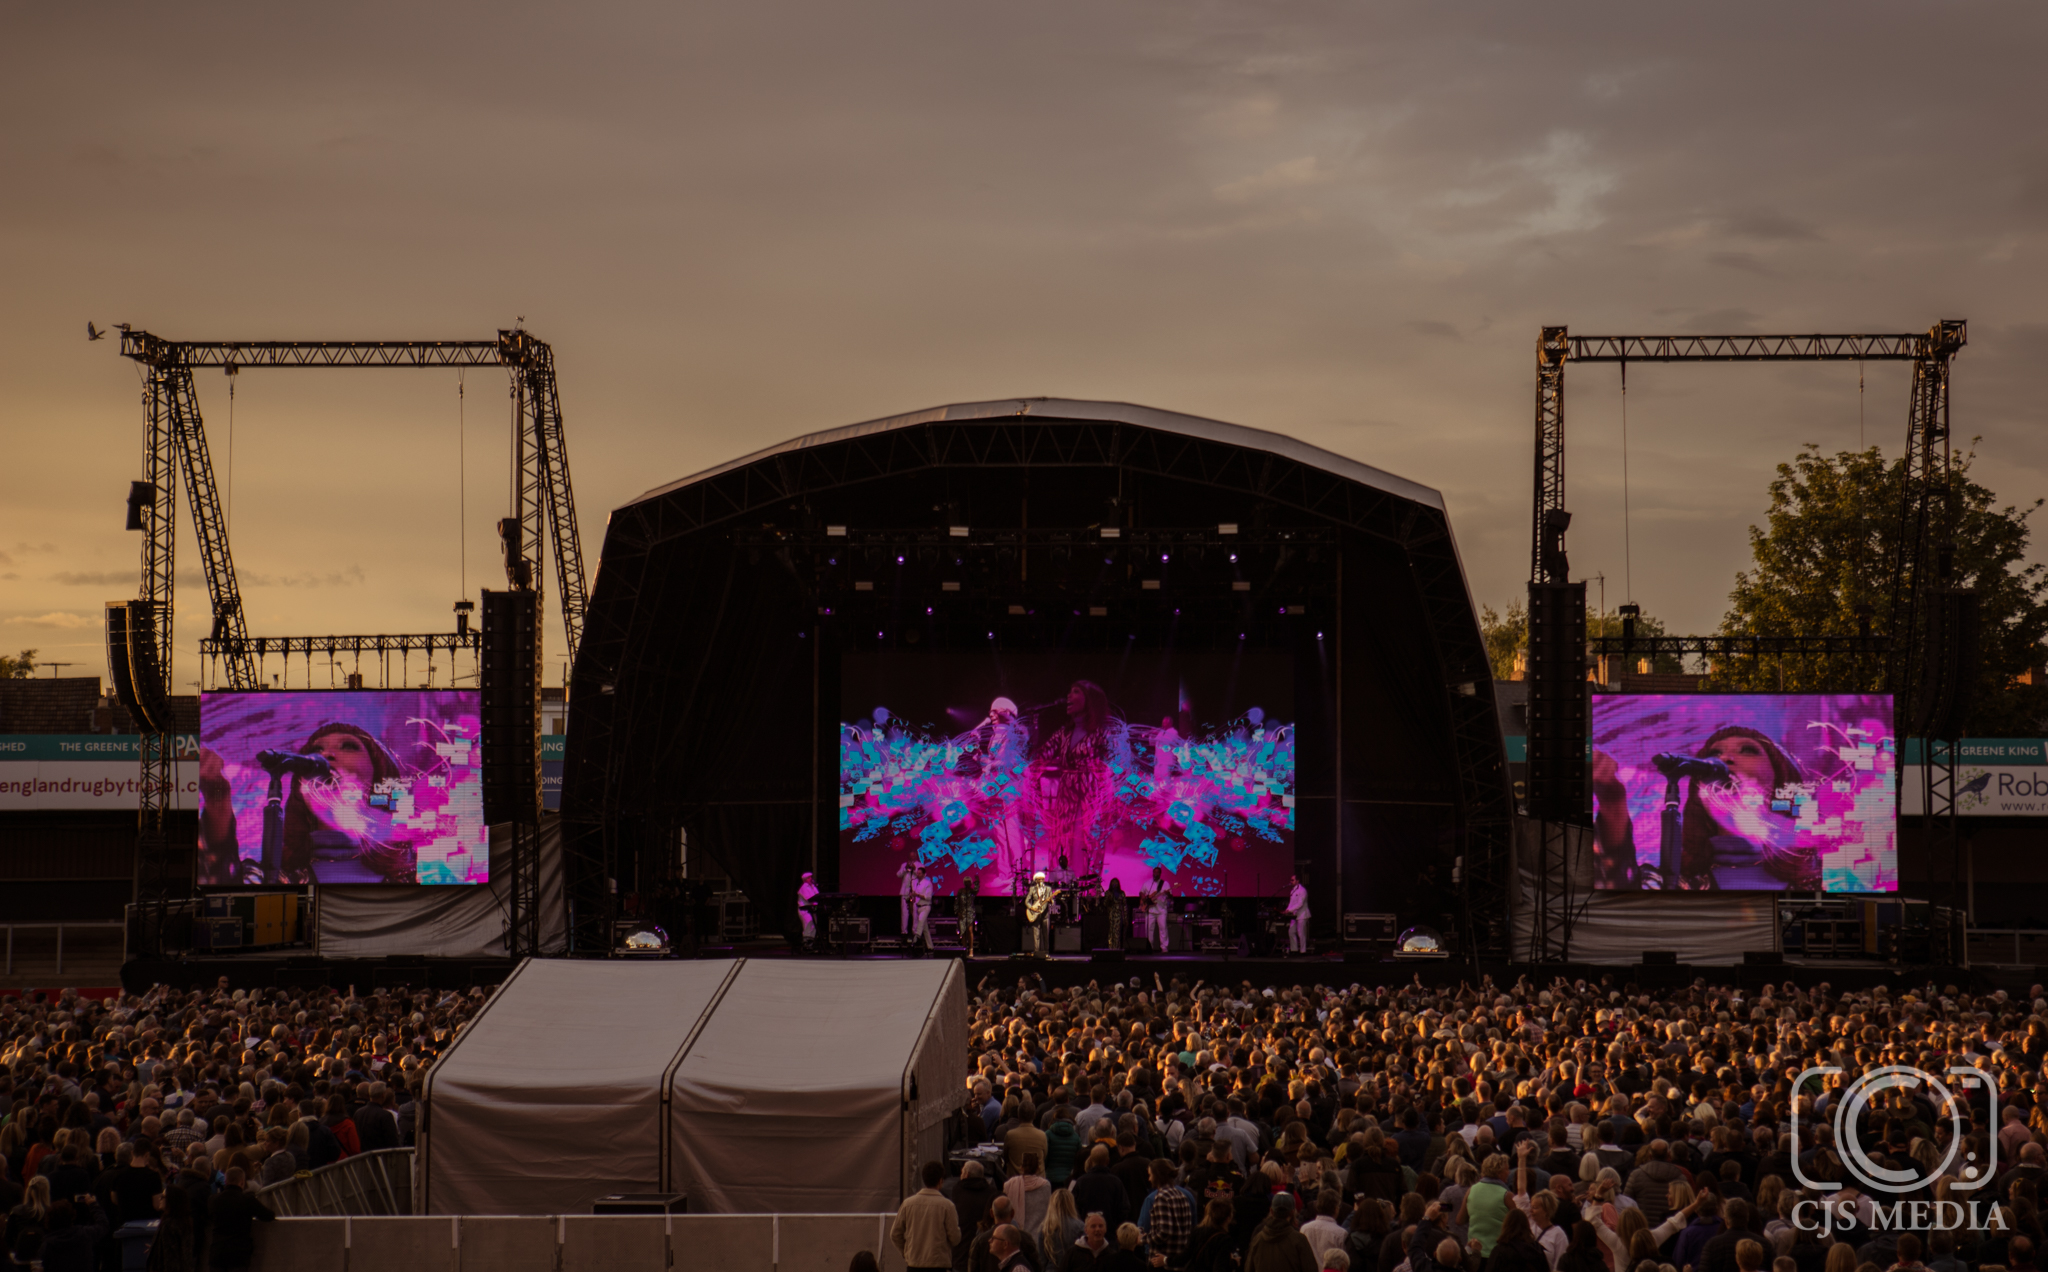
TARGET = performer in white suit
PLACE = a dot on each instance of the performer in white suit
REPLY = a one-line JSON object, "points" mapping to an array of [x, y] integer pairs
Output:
{"points": [[1297, 917], [922, 889], [907, 874], [1153, 902], [806, 897]]}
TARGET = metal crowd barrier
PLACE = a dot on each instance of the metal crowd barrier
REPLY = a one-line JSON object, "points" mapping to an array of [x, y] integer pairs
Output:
{"points": [[368, 1184], [574, 1243]]}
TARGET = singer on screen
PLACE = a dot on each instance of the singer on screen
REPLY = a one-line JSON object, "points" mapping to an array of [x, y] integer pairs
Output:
{"points": [[1735, 826], [333, 822]]}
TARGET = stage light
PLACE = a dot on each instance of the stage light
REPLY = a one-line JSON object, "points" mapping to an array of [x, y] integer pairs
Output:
{"points": [[1420, 942], [899, 560], [958, 532], [1319, 635], [1162, 556], [878, 635], [1228, 527], [835, 532], [927, 609], [1233, 558]]}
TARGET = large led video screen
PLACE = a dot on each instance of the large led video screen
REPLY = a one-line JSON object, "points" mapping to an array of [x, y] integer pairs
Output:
{"points": [[341, 787], [1106, 765], [1745, 792]]}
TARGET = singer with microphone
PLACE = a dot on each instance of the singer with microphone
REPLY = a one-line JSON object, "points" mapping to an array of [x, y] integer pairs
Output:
{"points": [[1718, 828], [321, 822]]}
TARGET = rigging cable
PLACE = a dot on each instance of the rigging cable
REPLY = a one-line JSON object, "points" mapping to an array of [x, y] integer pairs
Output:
{"points": [[462, 482], [1628, 577]]}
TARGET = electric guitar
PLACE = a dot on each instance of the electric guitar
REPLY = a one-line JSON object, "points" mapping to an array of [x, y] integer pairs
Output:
{"points": [[1033, 909]]}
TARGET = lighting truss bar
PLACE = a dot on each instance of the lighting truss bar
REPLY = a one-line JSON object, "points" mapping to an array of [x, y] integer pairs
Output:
{"points": [[1740, 646], [983, 540], [154, 350], [1899, 348], [289, 646]]}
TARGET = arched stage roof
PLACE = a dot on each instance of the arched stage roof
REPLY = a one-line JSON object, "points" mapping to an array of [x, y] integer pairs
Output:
{"points": [[705, 693], [1256, 439]]}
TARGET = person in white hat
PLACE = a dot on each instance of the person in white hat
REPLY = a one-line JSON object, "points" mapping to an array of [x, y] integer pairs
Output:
{"points": [[806, 899], [1038, 914]]}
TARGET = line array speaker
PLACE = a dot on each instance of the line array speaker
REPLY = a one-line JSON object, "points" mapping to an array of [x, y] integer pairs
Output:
{"points": [[1558, 704], [510, 656]]}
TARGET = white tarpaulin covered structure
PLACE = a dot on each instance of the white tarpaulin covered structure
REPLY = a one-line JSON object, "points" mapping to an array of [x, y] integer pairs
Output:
{"points": [[748, 1085]]}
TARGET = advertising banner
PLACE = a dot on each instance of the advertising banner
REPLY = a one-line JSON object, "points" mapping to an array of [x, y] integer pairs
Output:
{"points": [[1995, 777], [47, 771], [553, 746]]}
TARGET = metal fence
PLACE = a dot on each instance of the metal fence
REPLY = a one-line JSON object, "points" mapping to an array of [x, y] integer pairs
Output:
{"points": [[375, 1183]]}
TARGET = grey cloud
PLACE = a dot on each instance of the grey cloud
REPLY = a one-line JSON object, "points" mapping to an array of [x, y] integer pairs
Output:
{"points": [[1723, 321], [94, 578], [1743, 261], [1769, 226], [766, 220]]}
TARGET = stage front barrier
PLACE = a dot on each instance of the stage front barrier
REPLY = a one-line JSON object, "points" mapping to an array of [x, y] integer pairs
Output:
{"points": [[573, 1243]]}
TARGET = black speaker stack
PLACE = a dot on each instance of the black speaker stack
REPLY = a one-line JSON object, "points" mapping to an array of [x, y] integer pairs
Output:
{"points": [[510, 665], [1558, 703]]}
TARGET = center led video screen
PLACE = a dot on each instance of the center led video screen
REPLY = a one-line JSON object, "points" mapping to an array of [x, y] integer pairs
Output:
{"points": [[1745, 792], [341, 787], [997, 765]]}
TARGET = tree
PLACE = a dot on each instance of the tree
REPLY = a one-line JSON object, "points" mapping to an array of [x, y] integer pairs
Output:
{"points": [[19, 666], [1823, 567], [1507, 639]]}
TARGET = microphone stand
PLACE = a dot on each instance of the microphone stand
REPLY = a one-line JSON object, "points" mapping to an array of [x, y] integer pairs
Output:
{"points": [[273, 826], [1672, 847]]}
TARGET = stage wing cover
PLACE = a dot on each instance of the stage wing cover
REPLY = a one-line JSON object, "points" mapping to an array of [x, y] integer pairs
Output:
{"points": [[820, 1086], [553, 1096]]}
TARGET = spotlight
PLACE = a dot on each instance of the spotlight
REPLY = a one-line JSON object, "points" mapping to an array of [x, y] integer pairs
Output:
{"points": [[899, 560], [878, 635], [1233, 557], [1319, 635], [1162, 556], [640, 940], [927, 609], [1420, 942]]}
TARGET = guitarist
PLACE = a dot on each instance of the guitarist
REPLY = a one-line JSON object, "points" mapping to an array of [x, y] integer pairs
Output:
{"points": [[1038, 914]]}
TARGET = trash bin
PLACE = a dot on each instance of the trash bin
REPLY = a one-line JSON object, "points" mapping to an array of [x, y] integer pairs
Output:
{"points": [[135, 1239]]}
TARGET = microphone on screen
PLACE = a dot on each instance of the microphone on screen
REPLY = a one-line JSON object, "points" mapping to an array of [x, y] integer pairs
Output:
{"points": [[1674, 766], [295, 763]]}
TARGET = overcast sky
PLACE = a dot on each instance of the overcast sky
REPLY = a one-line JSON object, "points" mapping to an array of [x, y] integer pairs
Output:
{"points": [[740, 223]]}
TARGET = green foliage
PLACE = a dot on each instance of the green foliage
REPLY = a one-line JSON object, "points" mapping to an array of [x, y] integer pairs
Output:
{"points": [[1506, 637], [1598, 625], [1823, 566], [19, 666]]}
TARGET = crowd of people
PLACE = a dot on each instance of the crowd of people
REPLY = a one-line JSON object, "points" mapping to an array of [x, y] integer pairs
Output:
{"points": [[1536, 1127], [1580, 1126], [179, 1107]]}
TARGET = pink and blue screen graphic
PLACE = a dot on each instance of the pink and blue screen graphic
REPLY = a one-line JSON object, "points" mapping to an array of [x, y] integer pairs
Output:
{"points": [[1745, 792], [398, 800], [998, 768]]}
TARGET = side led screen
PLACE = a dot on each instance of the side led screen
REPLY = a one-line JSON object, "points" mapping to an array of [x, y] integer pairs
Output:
{"points": [[1750, 792], [341, 788], [1096, 766]]}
